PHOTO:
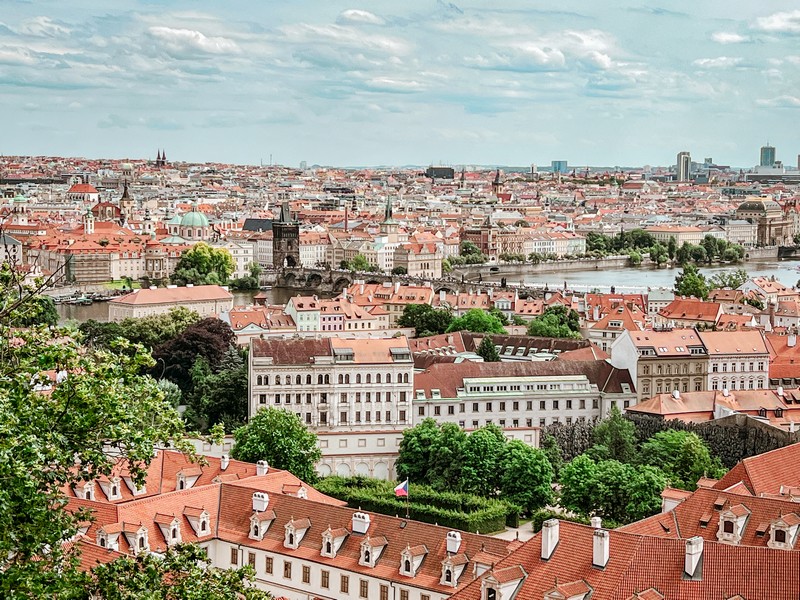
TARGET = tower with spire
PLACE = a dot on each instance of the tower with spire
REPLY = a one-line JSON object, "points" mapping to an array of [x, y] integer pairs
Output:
{"points": [[497, 186], [389, 225]]}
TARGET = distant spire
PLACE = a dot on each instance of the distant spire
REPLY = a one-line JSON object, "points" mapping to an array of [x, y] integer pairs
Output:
{"points": [[125, 195], [158, 157], [387, 214]]}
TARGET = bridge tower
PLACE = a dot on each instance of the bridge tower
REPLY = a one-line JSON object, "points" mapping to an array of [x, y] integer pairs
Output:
{"points": [[285, 240]]}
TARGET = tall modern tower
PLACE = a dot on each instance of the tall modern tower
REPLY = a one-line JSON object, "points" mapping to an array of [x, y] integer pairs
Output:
{"points": [[767, 156], [683, 166]]}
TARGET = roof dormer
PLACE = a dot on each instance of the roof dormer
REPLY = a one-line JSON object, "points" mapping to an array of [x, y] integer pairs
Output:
{"points": [[731, 524], [574, 590], [411, 559], [136, 491], [111, 488], [371, 550], [783, 532], [332, 540], [452, 568], [170, 527], [108, 536], [199, 519], [295, 531], [136, 536], [503, 584], [84, 491], [259, 524], [187, 477]]}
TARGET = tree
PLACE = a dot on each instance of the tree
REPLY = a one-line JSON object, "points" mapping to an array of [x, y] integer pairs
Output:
{"points": [[98, 408], [549, 445], [525, 476], [690, 282], [446, 458], [251, 281], [447, 266], [557, 321], [280, 438], [399, 270], [425, 319], [219, 395], [359, 263], [477, 321], [728, 279], [153, 330], [202, 264], [672, 247], [178, 574], [659, 254], [481, 455], [416, 447], [469, 249], [682, 456], [635, 258], [617, 435], [577, 480], [501, 316], [209, 338], [487, 350]]}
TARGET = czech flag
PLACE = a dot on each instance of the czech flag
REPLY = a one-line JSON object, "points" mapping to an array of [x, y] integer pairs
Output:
{"points": [[402, 489]]}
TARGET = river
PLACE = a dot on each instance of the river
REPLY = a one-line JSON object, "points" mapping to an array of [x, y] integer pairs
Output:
{"points": [[639, 279], [631, 279]]}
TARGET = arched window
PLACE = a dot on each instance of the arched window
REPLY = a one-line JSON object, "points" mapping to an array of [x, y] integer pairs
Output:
{"points": [[141, 542], [405, 377], [388, 378], [259, 380], [327, 379], [277, 379], [174, 533], [255, 530], [358, 377], [308, 379], [366, 556], [266, 379], [378, 378], [102, 542], [299, 380], [319, 379], [341, 378], [448, 576], [114, 490], [328, 548], [88, 495], [181, 484], [291, 539], [369, 377], [203, 525], [407, 566], [347, 378]]}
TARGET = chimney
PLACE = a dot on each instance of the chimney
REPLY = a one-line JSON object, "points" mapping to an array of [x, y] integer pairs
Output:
{"points": [[396, 286], [595, 313], [596, 522], [725, 392], [262, 468], [549, 538], [692, 566], [600, 543], [676, 394], [791, 340], [360, 522], [260, 501], [453, 542], [780, 390], [224, 461], [442, 295]]}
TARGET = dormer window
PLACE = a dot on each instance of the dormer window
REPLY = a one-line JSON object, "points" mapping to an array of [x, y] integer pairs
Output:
{"points": [[407, 567], [448, 575], [332, 540], [199, 520], [411, 559], [727, 526], [328, 547], [371, 550], [783, 532], [295, 530], [732, 523], [780, 536]]}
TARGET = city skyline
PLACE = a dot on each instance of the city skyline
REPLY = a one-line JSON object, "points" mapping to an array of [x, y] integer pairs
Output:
{"points": [[382, 84]]}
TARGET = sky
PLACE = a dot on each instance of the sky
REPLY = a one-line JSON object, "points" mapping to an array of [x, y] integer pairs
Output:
{"points": [[393, 83]]}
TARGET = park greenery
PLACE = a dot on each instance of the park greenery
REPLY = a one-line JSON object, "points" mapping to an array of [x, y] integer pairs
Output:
{"points": [[250, 281], [557, 321], [427, 320], [204, 265], [357, 264], [280, 438], [477, 321], [458, 510], [198, 355]]}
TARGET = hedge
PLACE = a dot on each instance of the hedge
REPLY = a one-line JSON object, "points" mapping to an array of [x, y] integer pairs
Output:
{"points": [[456, 510]]}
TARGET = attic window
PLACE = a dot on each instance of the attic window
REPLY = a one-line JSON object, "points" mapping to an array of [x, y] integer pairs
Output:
{"points": [[727, 526]]}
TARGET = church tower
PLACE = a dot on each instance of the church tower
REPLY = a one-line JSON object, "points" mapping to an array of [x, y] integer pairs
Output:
{"points": [[497, 186], [285, 240], [126, 202], [389, 225], [88, 222]]}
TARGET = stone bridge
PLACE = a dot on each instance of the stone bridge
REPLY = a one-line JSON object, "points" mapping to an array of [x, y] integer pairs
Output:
{"points": [[333, 281]]}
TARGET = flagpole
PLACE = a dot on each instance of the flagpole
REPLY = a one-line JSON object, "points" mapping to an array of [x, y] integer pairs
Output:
{"points": [[408, 499]]}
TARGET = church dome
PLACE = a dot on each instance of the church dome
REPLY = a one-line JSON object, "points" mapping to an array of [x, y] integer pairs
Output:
{"points": [[194, 219], [19, 199], [763, 205]]}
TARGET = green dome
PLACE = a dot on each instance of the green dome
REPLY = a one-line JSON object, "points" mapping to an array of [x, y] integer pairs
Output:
{"points": [[176, 220], [194, 219], [20, 198]]}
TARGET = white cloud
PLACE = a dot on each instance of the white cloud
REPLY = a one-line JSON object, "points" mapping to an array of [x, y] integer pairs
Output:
{"points": [[721, 62], [726, 37], [43, 27], [15, 56], [780, 22], [784, 101], [188, 41], [355, 15]]}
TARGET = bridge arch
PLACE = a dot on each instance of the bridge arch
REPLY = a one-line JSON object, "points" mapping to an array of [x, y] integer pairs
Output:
{"points": [[314, 280], [289, 279], [341, 284]]}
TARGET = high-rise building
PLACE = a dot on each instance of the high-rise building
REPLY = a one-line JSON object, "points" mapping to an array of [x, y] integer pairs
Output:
{"points": [[683, 166], [558, 166], [767, 156]]}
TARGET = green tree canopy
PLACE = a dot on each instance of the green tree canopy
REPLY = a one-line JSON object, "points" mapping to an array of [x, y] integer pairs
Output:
{"points": [[416, 449], [617, 436], [425, 319], [478, 321], [690, 282], [525, 476], [250, 281], [481, 455], [728, 279], [682, 456], [557, 321], [486, 350], [359, 263], [203, 264], [280, 438], [219, 395], [446, 458]]}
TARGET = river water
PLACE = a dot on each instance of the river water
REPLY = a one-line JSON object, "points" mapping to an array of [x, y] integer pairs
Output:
{"points": [[631, 279]]}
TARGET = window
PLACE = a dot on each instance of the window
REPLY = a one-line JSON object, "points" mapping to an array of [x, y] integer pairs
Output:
{"points": [[475, 407], [384, 592], [437, 410], [424, 597], [251, 559], [306, 574], [235, 557], [403, 594], [555, 404], [502, 406], [363, 589], [268, 565], [451, 410], [488, 407], [542, 405], [569, 404], [344, 584], [421, 411], [727, 526], [402, 416], [325, 579], [287, 569], [780, 536]]}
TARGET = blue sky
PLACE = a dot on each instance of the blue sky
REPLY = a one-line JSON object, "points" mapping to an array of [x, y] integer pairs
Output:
{"points": [[412, 82]]}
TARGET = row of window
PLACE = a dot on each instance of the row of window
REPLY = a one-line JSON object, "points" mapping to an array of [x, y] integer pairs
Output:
{"points": [[323, 398], [489, 406], [530, 387], [698, 368], [715, 367], [343, 378], [324, 579]]}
